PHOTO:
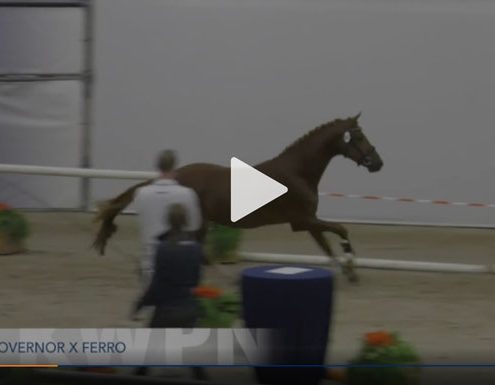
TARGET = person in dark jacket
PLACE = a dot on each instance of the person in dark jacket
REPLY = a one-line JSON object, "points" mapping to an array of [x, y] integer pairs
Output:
{"points": [[177, 272]]}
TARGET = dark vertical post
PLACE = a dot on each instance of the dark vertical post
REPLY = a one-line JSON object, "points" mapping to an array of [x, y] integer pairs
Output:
{"points": [[86, 76], [87, 118]]}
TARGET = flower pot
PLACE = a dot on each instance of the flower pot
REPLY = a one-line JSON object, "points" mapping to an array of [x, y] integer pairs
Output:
{"points": [[222, 243], [229, 258], [218, 309], [9, 245], [384, 376], [385, 359]]}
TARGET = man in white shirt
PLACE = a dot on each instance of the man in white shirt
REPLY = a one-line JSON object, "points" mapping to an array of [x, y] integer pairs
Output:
{"points": [[152, 204]]}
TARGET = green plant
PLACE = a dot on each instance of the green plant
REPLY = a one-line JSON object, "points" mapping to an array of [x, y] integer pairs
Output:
{"points": [[218, 309], [222, 242], [13, 224], [385, 359]]}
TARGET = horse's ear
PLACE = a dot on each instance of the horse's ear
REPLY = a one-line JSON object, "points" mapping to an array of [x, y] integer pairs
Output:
{"points": [[356, 118]]}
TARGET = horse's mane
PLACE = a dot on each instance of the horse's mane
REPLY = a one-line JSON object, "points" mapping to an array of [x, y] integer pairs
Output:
{"points": [[301, 141]]}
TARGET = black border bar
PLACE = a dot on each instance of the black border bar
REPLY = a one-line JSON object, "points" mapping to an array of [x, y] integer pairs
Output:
{"points": [[27, 78], [44, 4]]}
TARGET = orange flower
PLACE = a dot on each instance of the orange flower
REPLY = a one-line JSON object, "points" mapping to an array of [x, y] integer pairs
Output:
{"points": [[379, 338], [4, 207], [207, 292]]}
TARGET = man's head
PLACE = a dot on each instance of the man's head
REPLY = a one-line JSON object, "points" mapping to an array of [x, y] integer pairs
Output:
{"points": [[166, 162], [177, 217]]}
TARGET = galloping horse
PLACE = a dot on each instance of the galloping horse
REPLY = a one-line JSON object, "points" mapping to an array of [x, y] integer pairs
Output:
{"points": [[299, 167]]}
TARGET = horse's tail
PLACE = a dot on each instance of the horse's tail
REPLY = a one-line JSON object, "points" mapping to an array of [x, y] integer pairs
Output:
{"points": [[107, 211]]}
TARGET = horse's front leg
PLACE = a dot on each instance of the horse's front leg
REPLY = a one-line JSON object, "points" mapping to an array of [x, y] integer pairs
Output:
{"points": [[348, 266], [318, 224], [316, 227], [324, 244]]}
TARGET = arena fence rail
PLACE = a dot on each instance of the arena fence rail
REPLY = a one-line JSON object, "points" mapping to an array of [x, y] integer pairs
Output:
{"points": [[74, 172], [123, 174]]}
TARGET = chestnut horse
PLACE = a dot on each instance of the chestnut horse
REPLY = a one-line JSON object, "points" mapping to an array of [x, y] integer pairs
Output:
{"points": [[299, 167]]}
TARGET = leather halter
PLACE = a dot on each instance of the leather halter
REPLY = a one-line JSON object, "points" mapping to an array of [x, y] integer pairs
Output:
{"points": [[364, 157]]}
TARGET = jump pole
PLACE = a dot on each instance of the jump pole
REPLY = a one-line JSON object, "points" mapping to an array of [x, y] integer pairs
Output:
{"points": [[387, 264]]}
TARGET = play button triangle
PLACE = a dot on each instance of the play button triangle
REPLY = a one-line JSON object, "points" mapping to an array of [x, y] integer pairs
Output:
{"points": [[250, 189]]}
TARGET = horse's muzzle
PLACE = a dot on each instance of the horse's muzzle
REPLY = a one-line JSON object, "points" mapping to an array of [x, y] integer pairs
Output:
{"points": [[375, 166], [373, 163]]}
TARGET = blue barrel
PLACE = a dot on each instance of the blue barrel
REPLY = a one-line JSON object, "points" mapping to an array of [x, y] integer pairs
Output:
{"points": [[296, 301]]}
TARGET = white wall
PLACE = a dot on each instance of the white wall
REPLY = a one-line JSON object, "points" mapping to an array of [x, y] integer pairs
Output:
{"points": [[40, 123], [221, 78]]}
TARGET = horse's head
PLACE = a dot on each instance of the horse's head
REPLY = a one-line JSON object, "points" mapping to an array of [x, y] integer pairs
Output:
{"points": [[356, 146]]}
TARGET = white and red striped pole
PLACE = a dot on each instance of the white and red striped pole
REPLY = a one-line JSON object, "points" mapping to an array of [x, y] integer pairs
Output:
{"points": [[408, 200]]}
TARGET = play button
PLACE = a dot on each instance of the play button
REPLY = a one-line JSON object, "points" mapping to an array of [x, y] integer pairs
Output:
{"points": [[250, 189]]}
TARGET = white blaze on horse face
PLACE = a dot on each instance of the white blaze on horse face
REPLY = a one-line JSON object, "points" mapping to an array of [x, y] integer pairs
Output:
{"points": [[347, 137]]}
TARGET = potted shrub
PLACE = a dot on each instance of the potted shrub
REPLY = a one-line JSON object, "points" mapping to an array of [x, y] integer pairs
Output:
{"points": [[384, 359], [218, 309], [222, 243], [13, 230]]}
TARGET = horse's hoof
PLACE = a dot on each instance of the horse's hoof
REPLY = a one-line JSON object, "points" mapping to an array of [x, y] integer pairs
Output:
{"points": [[350, 273], [353, 277]]}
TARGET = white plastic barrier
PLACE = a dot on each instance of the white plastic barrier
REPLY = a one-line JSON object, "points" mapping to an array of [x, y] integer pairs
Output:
{"points": [[75, 172], [249, 256], [369, 263]]}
